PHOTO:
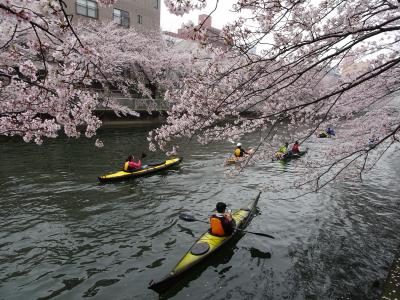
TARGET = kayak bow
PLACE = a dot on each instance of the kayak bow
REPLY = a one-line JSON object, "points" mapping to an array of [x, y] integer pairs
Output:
{"points": [[203, 248], [147, 169]]}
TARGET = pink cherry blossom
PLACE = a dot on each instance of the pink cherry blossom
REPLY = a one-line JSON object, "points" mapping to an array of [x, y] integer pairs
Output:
{"points": [[318, 64], [48, 70]]}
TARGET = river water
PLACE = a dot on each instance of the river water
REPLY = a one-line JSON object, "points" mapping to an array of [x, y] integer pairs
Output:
{"points": [[65, 236]]}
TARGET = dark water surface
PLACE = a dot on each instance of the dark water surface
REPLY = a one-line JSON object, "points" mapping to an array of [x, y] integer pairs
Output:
{"points": [[65, 236]]}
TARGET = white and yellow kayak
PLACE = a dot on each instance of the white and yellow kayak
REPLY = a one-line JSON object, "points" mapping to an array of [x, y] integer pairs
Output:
{"points": [[147, 169]]}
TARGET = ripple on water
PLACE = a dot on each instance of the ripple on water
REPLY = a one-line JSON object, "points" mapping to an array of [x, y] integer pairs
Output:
{"points": [[66, 236]]}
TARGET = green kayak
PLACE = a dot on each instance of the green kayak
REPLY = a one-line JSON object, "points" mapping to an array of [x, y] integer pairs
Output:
{"points": [[291, 156]]}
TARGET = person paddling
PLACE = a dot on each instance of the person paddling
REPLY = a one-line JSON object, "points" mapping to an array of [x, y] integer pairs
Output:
{"points": [[283, 151], [239, 152], [130, 165], [330, 131], [296, 147], [222, 223]]}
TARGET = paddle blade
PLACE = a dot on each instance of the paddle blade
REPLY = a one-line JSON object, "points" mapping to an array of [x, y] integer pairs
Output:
{"points": [[143, 155], [257, 233], [263, 234], [187, 218]]}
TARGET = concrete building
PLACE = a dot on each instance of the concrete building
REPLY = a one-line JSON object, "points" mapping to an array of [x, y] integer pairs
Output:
{"points": [[213, 35], [351, 68], [141, 14]]}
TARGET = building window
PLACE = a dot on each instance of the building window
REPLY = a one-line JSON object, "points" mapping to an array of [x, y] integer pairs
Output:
{"points": [[87, 8], [139, 19], [156, 4], [121, 17]]}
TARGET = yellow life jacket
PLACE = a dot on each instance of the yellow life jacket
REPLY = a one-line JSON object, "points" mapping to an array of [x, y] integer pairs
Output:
{"points": [[126, 166], [237, 152], [216, 226]]}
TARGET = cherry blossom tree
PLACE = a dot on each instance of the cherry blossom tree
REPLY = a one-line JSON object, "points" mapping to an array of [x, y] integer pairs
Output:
{"points": [[48, 69], [145, 62], [297, 80]]}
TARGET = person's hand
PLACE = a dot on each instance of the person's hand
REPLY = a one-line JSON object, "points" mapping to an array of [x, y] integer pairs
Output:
{"points": [[228, 214]]}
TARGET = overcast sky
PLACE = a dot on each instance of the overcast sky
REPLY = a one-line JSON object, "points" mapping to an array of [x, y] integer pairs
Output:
{"points": [[221, 16]]}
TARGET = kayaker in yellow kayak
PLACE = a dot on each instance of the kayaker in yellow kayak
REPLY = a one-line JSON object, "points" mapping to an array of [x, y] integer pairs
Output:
{"points": [[327, 133], [283, 150], [222, 223], [239, 152]]}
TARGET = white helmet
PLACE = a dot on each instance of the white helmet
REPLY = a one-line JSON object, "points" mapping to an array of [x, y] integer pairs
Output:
{"points": [[239, 145]]}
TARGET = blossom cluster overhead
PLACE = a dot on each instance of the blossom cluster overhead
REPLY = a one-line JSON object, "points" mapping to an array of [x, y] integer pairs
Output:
{"points": [[53, 75], [299, 64]]}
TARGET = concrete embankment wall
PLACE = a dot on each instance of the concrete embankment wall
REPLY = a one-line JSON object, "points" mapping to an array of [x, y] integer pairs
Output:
{"points": [[109, 118]]}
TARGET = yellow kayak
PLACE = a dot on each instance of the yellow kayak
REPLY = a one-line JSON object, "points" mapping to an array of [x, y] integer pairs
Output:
{"points": [[203, 247], [234, 160], [146, 169]]}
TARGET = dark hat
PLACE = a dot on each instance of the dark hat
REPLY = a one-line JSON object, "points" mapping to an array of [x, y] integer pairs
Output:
{"points": [[221, 206]]}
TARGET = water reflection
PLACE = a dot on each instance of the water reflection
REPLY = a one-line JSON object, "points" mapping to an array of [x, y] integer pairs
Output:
{"points": [[214, 262]]}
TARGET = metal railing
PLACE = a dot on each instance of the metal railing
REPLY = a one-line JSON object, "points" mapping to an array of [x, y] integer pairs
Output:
{"points": [[143, 103], [140, 104]]}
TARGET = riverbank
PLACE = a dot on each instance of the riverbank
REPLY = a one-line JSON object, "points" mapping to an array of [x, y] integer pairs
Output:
{"points": [[391, 290], [110, 119]]}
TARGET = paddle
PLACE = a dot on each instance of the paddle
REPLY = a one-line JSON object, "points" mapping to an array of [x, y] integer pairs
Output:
{"points": [[190, 218], [154, 163]]}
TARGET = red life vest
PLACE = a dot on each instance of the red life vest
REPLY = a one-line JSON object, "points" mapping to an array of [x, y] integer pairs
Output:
{"points": [[130, 166]]}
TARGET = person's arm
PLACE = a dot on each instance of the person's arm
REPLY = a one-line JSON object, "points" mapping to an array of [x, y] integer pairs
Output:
{"points": [[228, 215], [229, 226], [229, 223]]}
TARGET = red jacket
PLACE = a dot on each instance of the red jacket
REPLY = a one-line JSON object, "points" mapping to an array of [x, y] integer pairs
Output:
{"points": [[134, 166], [131, 166], [295, 148]]}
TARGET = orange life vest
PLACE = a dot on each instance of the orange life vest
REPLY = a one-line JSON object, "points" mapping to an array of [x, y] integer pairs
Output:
{"points": [[216, 226]]}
